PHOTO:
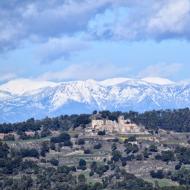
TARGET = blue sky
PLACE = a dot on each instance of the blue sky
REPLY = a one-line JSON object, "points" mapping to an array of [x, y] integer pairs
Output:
{"points": [[62, 40]]}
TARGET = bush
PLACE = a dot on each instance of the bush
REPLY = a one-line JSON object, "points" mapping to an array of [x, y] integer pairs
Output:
{"points": [[102, 133], [167, 156], [82, 164], [87, 151], [45, 133], [29, 153], [64, 169], [54, 162], [157, 174], [91, 173], [98, 146], [131, 139], [124, 163], [63, 137], [116, 155], [178, 167], [139, 157], [81, 142], [101, 169], [9, 137], [153, 148], [130, 148], [44, 148]]}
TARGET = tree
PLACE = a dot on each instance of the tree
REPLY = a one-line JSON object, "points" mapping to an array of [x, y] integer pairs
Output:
{"points": [[9, 137], [81, 142], [178, 166], [63, 137], [87, 151], [97, 146], [45, 132], [131, 148], [114, 147], [116, 155], [4, 150], [29, 153], [157, 174], [167, 156], [139, 157], [102, 133], [146, 154], [153, 148], [44, 148], [54, 162], [82, 164], [131, 139]]}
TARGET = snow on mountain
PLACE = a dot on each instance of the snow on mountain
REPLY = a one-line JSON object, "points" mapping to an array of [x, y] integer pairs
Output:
{"points": [[157, 80], [114, 81], [5, 95], [23, 99], [21, 86]]}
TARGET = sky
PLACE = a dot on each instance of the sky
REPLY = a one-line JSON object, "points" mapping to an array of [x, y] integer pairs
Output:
{"points": [[61, 40]]}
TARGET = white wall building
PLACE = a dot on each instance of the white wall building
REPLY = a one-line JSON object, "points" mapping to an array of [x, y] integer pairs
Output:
{"points": [[122, 126]]}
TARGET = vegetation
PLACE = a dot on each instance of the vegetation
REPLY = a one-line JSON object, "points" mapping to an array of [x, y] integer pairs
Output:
{"points": [[176, 120], [57, 153]]}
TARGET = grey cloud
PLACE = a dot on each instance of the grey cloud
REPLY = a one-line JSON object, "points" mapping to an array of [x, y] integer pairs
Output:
{"points": [[56, 48], [41, 20], [50, 18], [20, 20]]}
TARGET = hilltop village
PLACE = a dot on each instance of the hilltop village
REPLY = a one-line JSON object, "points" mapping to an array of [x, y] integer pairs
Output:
{"points": [[121, 126]]}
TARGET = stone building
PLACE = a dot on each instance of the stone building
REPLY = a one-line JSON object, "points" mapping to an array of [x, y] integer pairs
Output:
{"points": [[121, 126]]}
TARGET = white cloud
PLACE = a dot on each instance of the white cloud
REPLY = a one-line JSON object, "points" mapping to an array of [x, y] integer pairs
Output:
{"points": [[148, 19], [86, 71], [174, 17], [161, 70]]}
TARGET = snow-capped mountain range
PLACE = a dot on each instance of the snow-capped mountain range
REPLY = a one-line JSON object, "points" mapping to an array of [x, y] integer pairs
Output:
{"points": [[21, 99]]}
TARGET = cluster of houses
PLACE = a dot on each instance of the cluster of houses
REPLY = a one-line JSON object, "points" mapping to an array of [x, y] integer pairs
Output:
{"points": [[120, 126]]}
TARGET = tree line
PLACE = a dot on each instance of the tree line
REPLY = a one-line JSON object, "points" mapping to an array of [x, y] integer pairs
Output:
{"points": [[176, 120]]}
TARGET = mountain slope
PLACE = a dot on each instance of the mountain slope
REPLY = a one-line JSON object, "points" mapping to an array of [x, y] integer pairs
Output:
{"points": [[21, 86], [51, 99]]}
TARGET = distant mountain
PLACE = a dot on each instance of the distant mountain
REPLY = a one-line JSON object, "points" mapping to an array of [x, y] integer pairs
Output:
{"points": [[23, 98]]}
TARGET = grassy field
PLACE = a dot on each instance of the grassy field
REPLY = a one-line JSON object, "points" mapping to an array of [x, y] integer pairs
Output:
{"points": [[162, 182]]}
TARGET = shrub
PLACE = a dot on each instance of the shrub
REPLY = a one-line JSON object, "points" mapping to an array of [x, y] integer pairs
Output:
{"points": [[81, 142], [157, 174], [54, 162], [9, 137], [102, 133], [98, 146]]}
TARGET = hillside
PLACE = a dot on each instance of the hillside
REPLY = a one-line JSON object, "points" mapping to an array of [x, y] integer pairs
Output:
{"points": [[68, 153]]}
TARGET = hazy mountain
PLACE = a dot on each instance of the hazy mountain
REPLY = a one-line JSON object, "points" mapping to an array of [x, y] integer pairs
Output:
{"points": [[23, 98]]}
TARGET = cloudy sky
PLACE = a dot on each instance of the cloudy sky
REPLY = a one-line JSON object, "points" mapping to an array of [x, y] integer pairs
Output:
{"points": [[62, 40]]}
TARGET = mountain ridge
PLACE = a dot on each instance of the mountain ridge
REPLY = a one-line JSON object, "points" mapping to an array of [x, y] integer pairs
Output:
{"points": [[73, 97]]}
